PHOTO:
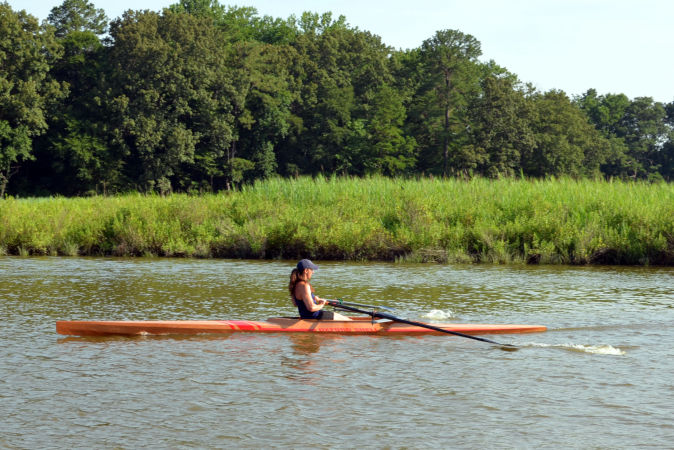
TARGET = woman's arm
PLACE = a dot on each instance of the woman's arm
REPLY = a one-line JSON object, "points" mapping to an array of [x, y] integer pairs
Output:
{"points": [[303, 291]]}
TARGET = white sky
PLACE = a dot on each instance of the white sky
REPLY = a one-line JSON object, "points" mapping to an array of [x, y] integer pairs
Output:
{"points": [[614, 46]]}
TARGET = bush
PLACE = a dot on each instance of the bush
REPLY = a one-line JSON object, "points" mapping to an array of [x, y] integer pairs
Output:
{"points": [[497, 221]]}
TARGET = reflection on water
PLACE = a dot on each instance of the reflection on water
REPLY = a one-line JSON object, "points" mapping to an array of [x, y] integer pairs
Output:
{"points": [[608, 330], [299, 364], [305, 344]]}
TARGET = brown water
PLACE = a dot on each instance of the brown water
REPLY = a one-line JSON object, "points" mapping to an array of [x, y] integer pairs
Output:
{"points": [[601, 377]]}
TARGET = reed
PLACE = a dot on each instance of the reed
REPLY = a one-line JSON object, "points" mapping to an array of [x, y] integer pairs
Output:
{"points": [[497, 221]]}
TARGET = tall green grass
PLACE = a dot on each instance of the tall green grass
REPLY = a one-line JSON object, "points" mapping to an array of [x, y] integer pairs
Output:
{"points": [[498, 221]]}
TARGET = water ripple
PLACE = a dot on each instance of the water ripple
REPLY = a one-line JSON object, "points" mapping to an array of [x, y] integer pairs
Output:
{"points": [[608, 329]]}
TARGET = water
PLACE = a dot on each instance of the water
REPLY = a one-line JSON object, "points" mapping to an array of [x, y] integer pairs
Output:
{"points": [[601, 377]]}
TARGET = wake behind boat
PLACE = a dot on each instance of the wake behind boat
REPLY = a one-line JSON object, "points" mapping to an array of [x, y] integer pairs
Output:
{"points": [[358, 325]]}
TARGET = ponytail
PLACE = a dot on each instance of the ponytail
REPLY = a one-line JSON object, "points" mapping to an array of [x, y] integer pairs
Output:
{"points": [[295, 276]]}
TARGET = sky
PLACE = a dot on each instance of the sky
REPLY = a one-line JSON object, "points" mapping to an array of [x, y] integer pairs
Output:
{"points": [[613, 46]]}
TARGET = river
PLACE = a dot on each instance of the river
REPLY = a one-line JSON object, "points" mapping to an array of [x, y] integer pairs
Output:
{"points": [[600, 377]]}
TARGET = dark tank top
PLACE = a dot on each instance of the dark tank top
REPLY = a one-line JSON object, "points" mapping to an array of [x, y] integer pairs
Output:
{"points": [[304, 312]]}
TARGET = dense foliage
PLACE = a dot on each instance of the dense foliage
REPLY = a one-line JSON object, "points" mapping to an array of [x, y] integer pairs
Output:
{"points": [[205, 97], [446, 220]]}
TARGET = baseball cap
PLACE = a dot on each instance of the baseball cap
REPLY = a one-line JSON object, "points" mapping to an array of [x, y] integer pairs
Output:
{"points": [[306, 264]]}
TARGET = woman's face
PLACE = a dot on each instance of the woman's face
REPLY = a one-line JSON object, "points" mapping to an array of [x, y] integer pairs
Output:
{"points": [[308, 273]]}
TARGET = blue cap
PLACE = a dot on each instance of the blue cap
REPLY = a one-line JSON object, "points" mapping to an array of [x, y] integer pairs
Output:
{"points": [[306, 264]]}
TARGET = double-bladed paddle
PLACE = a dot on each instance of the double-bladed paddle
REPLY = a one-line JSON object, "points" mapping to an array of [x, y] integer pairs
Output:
{"points": [[381, 315]]}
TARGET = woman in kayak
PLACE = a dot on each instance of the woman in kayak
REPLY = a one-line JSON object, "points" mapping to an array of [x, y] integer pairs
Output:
{"points": [[309, 305]]}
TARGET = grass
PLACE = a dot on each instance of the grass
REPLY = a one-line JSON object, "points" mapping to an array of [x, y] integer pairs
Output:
{"points": [[556, 221]]}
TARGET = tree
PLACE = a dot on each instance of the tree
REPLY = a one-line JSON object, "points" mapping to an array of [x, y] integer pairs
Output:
{"points": [[26, 52], [606, 112], [449, 64], [339, 74], [386, 149], [74, 155], [645, 130], [501, 118], [667, 152], [260, 95], [266, 118], [240, 23], [566, 143], [326, 96], [173, 91], [199, 8], [638, 130], [260, 111], [77, 15]]}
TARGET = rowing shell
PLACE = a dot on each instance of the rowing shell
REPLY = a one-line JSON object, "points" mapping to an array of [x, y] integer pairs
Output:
{"points": [[359, 325]]}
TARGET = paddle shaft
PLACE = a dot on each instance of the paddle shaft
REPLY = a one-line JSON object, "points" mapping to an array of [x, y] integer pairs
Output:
{"points": [[340, 302], [379, 315]]}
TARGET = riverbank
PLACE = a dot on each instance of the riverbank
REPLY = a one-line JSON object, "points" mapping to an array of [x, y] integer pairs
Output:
{"points": [[495, 221]]}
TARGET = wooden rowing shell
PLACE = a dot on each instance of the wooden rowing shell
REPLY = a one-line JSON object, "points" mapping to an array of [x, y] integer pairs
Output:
{"points": [[359, 325]]}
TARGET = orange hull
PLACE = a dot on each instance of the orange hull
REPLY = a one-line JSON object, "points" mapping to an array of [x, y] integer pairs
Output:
{"points": [[360, 325]]}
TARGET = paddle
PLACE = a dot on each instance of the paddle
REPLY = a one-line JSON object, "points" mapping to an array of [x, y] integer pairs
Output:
{"points": [[339, 300], [381, 315]]}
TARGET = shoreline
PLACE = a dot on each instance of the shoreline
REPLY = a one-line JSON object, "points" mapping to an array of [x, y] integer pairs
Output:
{"points": [[554, 221]]}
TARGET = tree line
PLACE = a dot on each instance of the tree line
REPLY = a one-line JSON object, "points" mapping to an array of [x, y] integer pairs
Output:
{"points": [[203, 97]]}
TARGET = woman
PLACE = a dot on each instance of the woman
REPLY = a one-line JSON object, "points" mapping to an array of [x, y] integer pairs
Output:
{"points": [[309, 305]]}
